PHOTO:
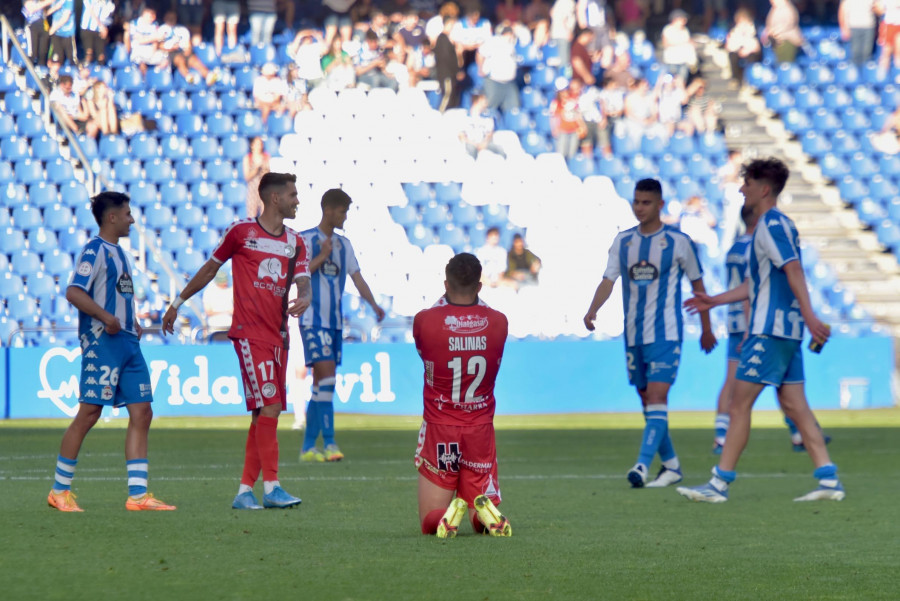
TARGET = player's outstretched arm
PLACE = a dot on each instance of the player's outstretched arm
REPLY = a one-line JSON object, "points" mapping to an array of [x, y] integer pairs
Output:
{"points": [[82, 301], [704, 302], [203, 277], [707, 338], [366, 293], [797, 281], [297, 306], [601, 295]]}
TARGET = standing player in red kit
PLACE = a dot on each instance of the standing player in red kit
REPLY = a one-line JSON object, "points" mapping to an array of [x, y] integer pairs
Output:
{"points": [[267, 257], [460, 340]]}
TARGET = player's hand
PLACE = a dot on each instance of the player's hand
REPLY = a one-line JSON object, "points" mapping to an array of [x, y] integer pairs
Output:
{"points": [[379, 313], [297, 307], [708, 342], [168, 321], [818, 330], [139, 329], [701, 301], [325, 247], [111, 324], [589, 321]]}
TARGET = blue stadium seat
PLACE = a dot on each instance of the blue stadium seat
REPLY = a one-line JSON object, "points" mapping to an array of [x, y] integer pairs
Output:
{"points": [[235, 147], [532, 99], [855, 121], [261, 54], [7, 81], [143, 193], [544, 77], [144, 146], [113, 148], [5, 222], [834, 167], [453, 236], [220, 216], [808, 99], [11, 284], [158, 216], [495, 215], [760, 76], [73, 193], [58, 217], [7, 126], [25, 262], [845, 143], [670, 167], [188, 216], [244, 78], [611, 166], [888, 233], [417, 193], [870, 211], [127, 171], [128, 79], [836, 99], [72, 239], [18, 103], [789, 75], [686, 187], [45, 148], [219, 171], [420, 235], [57, 262], [797, 122], [174, 102], [517, 120], [852, 189], [60, 171], [582, 165], [447, 191], [12, 240], [20, 307], [189, 125], [278, 125], [889, 165], [778, 99], [234, 195], [249, 124], [435, 214], [145, 102], [204, 193], [825, 120], [862, 165], [88, 147], [221, 125], [543, 122], [207, 54], [41, 287], [188, 170], [819, 75], [160, 79], [189, 260], [204, 239], [173, 238], [26, 216], [14, 148], [42, 194], [465, 214], [234, 101], [173, 193], [29, 171], [815, 144], [174, 147], [406, 216], [30, 125], [890, 97], [882, 188], [534, 143], [204, 102], [42, 239], [205, 148]]}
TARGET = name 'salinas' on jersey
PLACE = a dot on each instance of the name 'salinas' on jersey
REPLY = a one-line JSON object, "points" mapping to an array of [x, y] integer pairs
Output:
{"points": [[262, 265], [461, 347]]}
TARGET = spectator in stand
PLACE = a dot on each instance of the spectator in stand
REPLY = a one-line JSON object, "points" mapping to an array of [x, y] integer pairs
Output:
{"points": [[679, 54], [218, 303], [62, 30], [497, 63], [337, 19], [566, 122], [190, 14], [83, 80], [338, 66], [508, 12], [226, 16], [96, 17], [101, 110], [370, 64], [177, 43], [411, 33], [262, 15], [435, 25], [470, 32], [631, 16], [671, 98], [702, 113], [612, 103], [742, 44], [493, 258], [782, 30], [478, 130], [523, 266], [596, 124], [856, 19], [36, 23], [70, 108], [270, 92], [298, 91], [889, 35], [307, 50], [888, 139], [145, 39], [256, 165], [582, 59], [641, 117], [447, 67], [595, 15], [562, 31], [536, 17]]}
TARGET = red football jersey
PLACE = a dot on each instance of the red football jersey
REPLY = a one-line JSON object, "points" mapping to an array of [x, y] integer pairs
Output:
{"points": [[260, 273], [461, 346]]}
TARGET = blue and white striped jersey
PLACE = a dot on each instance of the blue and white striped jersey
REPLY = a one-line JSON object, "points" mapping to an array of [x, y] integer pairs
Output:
{"points": [[103, 271], [96, 13], [651, 267], [736, 269], [774, 309], [328, 280], [65, 15]]}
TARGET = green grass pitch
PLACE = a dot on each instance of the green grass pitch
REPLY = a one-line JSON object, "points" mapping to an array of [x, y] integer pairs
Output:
{"points": [[579, 531]]}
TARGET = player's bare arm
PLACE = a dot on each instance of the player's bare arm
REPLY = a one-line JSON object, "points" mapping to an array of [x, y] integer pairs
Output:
{"points": [[297, 306], [203, 277], [707, 338], [325, 251], [704, 302], [797, 281], [82, 301], [600, 297], [366, 293]]}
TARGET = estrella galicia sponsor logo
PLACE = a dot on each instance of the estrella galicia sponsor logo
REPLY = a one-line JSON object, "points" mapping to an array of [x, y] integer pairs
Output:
{"points": [[125, 285], [330, 269], [643, 273]]}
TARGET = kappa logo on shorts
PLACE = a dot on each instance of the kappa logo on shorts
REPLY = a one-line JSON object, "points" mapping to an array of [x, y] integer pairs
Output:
{"points": [[752, 372], [448, 456], [90, 394], [759, 348], [90, 367], [755, 360], [269, 390], [91, 381], [90, 355]]}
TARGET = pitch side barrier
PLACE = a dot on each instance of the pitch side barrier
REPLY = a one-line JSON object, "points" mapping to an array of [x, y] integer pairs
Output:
{"points": [[536, 377]]}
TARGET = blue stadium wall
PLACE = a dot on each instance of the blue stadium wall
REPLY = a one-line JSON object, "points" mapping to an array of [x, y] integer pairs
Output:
{"points": [[536, 377]]}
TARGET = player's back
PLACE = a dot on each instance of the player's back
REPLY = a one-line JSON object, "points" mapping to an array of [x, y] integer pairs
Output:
{"points": [[461, 347]]}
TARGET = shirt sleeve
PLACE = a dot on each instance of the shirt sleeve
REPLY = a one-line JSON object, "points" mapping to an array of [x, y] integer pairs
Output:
{"points": [[352, 263], [301, 266], [227, 245], [613, 270], [88, 267], [690, 260], [774, 237]]}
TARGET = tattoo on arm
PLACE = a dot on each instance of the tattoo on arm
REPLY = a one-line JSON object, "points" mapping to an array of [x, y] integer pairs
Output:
{"points": [[304, 289]]}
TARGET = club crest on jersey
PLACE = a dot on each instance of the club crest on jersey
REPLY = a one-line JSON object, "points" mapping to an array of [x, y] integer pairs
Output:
{"points": [[270, 269], [289, 251], [466, 324], [643, 272], [84, 268]]}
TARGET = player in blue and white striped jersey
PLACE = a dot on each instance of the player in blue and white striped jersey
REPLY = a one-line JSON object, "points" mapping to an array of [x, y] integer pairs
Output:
{"points": [[113, 370], [771, 355], [96, 17], [651, 259], [321, 325]]}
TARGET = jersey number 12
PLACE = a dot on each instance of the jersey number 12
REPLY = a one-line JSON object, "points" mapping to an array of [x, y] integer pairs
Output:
{"points": [[475, 367]]}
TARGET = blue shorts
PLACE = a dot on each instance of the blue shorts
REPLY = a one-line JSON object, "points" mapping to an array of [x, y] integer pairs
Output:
{"points": [[734, 341], [321, 344], [336, 19], [769, 360], [655, 362], [113, 371]]}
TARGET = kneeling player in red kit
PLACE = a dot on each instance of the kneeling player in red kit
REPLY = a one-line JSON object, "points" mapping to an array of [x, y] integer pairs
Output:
{"points": [[460, 340]]}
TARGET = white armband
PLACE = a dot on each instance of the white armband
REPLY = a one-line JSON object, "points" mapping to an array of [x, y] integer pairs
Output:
{"points": [[177, 302]]}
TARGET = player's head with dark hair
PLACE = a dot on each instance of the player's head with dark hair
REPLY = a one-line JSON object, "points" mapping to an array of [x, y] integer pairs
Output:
{"points": [[274, 182], [103, 202], [335, 198], [649, 185], [463, 274], [770, 171]]}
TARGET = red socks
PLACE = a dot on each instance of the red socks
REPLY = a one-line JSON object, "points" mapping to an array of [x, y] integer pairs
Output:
{"points": [[477, 525], [251, 459], [432, 521], [267, 446]]}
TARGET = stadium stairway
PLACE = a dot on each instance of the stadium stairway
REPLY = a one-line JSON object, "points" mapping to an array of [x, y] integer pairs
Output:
{"points": [[825, 223]]}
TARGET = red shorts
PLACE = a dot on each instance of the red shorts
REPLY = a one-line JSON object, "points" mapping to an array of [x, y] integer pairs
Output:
{"points": [[887, 34], [264, 372], [460, 458]]}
